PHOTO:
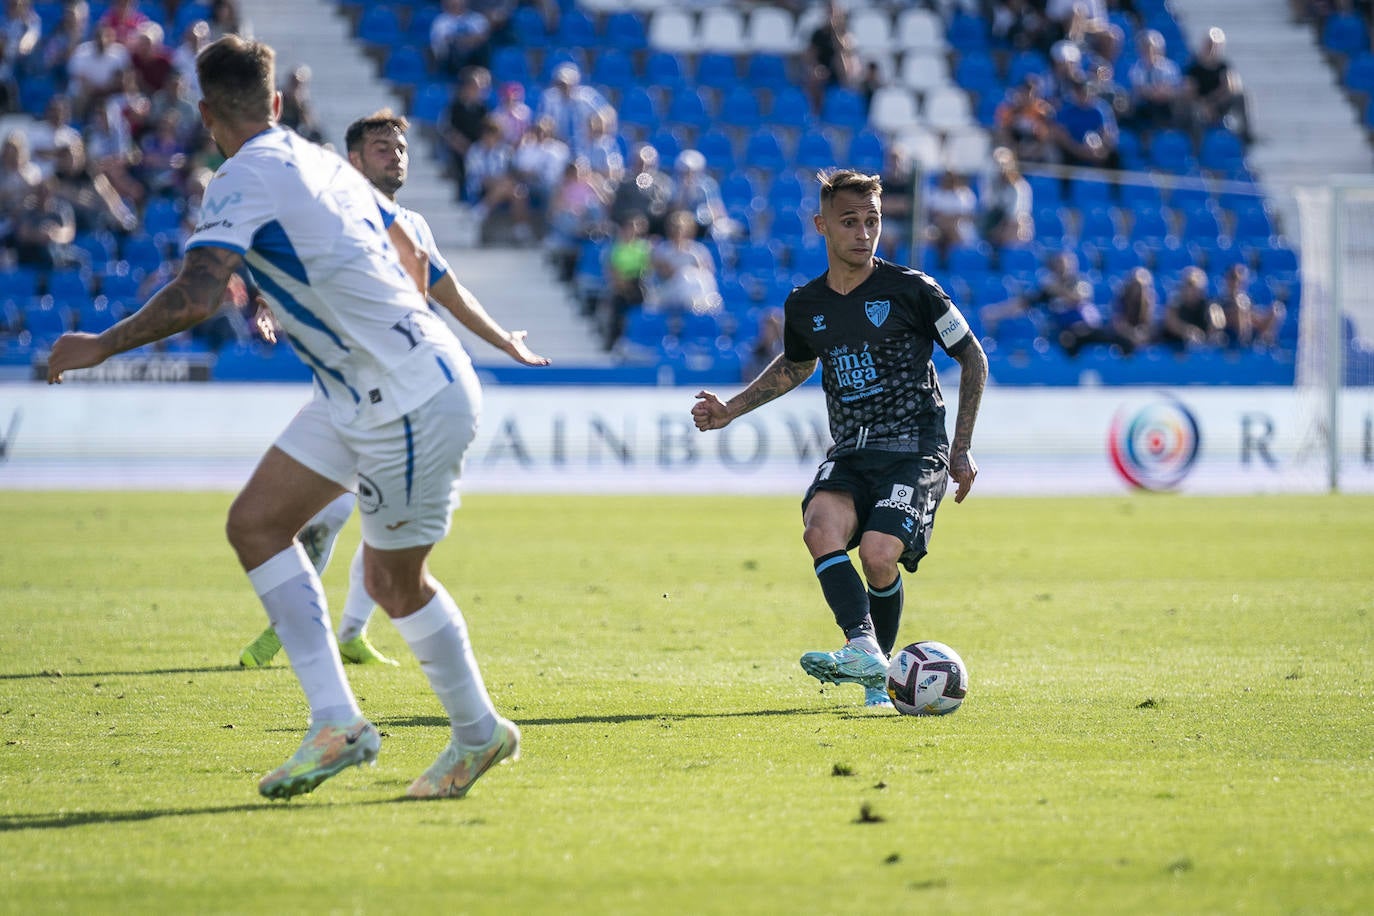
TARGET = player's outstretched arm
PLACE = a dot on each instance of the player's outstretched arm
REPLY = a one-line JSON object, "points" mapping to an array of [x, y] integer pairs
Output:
{"points": [[973, 378], [778, 377], [414, 259], [192, 297], [460, 301]]}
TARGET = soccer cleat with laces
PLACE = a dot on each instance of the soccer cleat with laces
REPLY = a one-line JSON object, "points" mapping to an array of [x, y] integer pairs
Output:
{"points": [[261, 651], [877, 698], [458, 767], [358, 651], [850, 664], [328, 748]]}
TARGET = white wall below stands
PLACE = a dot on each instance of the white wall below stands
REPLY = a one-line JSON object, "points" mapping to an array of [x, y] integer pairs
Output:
{"points": [[641, 440]]}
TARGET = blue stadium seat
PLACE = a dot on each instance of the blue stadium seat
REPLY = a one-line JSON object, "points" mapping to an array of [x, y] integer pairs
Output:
{"points": [[1133, 195], [969, 259], [559, 55], [1171, 257], [1345, 33], [867, 152], [1359, 74], [764, 152], [788, 228], [977, 73], [143, 252], [669, 140], [527, 27], [717, 70], [380, 27], [406, 67], [664, 70], [1172, 151], [613, 69], [1086, 193], [967, 32], [1277, 259], [1018, 260], [576, 29], [162, 215], [737, 188], [1119, 258], [814, 150], [46, 321], [1099, 225], [1221, 151], [790, 110], [18, 282], [689, 108], [1200, 223], [430, 103], [1046, 190], [739, 108], [786, 191], [1252, 222], [1026, 63], [645, 329], [509, 64], [1049, 222], [96, 315], [639, 108], [1149, 225], [767, 71], [844, 108], [119, 281], [624, 31], [70, 286], [718, 149]]}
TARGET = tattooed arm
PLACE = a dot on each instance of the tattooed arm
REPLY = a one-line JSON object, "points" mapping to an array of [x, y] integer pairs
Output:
{"points": [[778, 377], [192, 297], [973, 378]]}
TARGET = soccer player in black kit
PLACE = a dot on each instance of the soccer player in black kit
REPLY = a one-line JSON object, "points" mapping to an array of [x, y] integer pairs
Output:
{"points": [[873, 326]]}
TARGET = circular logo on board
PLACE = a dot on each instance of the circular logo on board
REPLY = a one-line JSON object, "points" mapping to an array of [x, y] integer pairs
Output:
{"points": [[1154, 447]]}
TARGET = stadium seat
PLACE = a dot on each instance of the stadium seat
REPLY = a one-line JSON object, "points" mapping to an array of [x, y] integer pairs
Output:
{"points": [[1086, 193], [46, 321], [1345, 33], [527, 27], [1170, 258], [1172, 151], [638, 108], [18, 282], [893, 109], [737, 188], [871, 28], [791, 110], [576, 29], [1149, 225], [379, 27], [924, 72], [96, 315], [843, 108], [718, 149], [968, 148], [967, 32], [430, 104], [787, 227], [614, 70], [689, 108], [967, 260], [1200, 223], [1222, 152], [977, 73], [767, 71], [771, 30], [406, 67], [664, 70], [1277, 259], [1252, 224], [674, 30], [763, 152], [740, 109], [1026, 63], [70, 286], [624, 31], [669, 140], [717, 70], [509, 64], [786, 191], [867, 152], [721, 29], [1049, 222], [814, 150], [920, 30]]}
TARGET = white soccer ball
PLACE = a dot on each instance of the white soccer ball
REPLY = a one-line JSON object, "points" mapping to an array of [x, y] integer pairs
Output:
{"points": [[927, 679]]}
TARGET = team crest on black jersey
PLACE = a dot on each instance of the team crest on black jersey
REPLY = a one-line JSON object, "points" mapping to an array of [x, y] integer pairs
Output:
{"points": [[878, 310]]}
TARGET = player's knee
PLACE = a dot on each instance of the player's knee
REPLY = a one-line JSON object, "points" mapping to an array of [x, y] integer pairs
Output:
{"points": [[879, 559]]}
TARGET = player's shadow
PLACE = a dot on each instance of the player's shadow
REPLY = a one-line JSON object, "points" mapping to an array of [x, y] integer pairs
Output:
{"points": [[62, 819], [55, 675], [437, 721]]}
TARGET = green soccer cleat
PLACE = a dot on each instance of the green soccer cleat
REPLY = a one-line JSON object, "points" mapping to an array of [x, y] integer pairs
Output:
{"points": [[877, 698], [261, 651], [850, 664], [358, 651], [328, 748], [453, 774]]}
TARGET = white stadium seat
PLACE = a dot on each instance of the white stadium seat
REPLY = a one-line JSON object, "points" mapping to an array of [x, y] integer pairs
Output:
{"points": [[947, 109], [968, 149], [771, 30], [919, 30], [673, 30], [922, 148], [924, 72], [893, 110], [872, 30], [721, 29]]}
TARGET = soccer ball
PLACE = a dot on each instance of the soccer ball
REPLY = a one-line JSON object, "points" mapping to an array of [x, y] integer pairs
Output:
{"points": [[927, 679]]}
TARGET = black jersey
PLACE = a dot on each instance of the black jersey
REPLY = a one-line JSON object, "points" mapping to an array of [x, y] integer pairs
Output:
{"points": [[875, 345]]}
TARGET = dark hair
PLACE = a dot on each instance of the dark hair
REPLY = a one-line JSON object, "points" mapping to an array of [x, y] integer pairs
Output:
{"points": [[238, 79], [836, 180], [382, 119]]}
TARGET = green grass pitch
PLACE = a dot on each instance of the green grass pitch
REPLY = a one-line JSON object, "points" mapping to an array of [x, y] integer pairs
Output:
{"points": [[1171, 711]]}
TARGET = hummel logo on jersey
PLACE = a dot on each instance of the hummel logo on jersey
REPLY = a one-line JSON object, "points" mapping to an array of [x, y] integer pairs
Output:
{"points": [[818, 322], [878, 310]]}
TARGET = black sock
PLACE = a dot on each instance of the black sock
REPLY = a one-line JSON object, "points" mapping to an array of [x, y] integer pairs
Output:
{"points": [[885, 608], [845, 593]]}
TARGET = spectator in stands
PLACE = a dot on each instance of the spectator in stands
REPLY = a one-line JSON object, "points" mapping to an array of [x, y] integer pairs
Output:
{"points": [[645, 191], [94, 201], [459, 38], [462, 124], [298, 108], [123, 17], [577, 212], [54, 130], [571, 103], [20, 33], [1086, 130], [59, 45], [899, 184], [163, 157], [498, 14], [684, 271], [1021, 26], [1024, 123], [515, 116], [96, 69], [131, 105], [491, 188], [603, 151], [1066, 69], [1212, 89], [194, 38], [540, 164], [1134, 312], [698, 193], [1156, 85], [44, 230], [175, 99], [150, 59], [871, 79], [766, 346], [1078, 322], [19, 176], [628, 265], [1191, 319], [226, 19], [110, 151], [1246, 325], [952, 207], [1005, 202], [1057, 280], [830, 57]]}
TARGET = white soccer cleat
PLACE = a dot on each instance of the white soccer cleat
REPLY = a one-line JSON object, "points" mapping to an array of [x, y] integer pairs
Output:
{"points": [[459, 767]]}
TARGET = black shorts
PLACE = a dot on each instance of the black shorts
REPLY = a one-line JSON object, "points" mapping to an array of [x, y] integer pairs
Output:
{"points": [[896, 493]]}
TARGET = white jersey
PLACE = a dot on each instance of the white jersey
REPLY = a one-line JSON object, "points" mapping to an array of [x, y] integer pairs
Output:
{"points": [[314, 233]]}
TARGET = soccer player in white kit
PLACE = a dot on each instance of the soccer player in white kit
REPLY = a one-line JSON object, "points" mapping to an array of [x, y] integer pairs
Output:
{"points": [[376, 147], [398, 407]]}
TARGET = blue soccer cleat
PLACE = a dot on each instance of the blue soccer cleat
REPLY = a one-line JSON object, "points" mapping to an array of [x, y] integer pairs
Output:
{"points": [[850, 664]]}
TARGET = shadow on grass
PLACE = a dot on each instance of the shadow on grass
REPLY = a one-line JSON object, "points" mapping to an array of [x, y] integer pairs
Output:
{"points": [[56, 675], [63, 819], [439, 721]]}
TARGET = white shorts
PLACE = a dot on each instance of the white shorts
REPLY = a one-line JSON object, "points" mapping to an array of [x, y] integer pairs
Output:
{"points": [[405, 472]]}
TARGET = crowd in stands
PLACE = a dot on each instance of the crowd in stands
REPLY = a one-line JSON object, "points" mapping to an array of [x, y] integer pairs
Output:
{"points": [[668, 175]]}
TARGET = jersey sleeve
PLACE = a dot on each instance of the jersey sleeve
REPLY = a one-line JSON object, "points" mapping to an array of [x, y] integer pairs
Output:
{"points": [[950, 328], [794, 346], [438, 267], [235, 206]]}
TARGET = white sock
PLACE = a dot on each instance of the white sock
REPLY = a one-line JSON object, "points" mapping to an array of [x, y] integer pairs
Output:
{"points": [[358, 604], [332, 518], [290, 590], [438, 636]]}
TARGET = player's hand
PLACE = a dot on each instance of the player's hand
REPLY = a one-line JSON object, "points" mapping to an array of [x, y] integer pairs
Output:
{"points": [[963, 469], [263, 321], [709, 412], [523, 354], [75, 351]]}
